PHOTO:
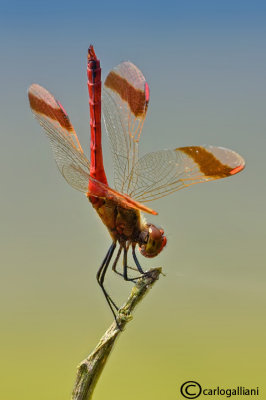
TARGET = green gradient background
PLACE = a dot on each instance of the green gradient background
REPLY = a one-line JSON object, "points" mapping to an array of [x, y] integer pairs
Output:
{"points": [[205, 321]]}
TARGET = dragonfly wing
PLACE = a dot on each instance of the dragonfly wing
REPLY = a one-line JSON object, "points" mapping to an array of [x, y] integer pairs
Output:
{"points": [[68, 154], [67, 151], [161, 173], [125, 103]]}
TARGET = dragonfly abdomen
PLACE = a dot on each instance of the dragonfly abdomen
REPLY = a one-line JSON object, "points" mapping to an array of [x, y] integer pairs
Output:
{"points": [[94, 87]]}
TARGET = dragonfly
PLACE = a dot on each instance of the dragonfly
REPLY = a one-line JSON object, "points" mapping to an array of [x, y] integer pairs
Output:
{"points": [[137, 180]]}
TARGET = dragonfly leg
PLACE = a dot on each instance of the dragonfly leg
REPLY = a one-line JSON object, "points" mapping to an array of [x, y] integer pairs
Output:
{"points": [[137, 261], [125, 267], [116, 261], [101, 275]]}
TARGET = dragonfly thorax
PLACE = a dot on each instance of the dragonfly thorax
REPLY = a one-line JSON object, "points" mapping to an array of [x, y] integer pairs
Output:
{"points": [[127, 225]]}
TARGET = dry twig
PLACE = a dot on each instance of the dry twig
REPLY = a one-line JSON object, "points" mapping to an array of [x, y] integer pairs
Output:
{"points": [[90, 369]]}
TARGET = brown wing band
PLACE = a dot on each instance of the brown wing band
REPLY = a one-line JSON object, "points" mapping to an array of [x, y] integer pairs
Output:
{"points": [[56, 113], [136, 98], [208, 164]]}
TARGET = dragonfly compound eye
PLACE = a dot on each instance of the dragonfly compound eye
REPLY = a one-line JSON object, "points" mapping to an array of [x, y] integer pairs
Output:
{"points": [[155, 243]]}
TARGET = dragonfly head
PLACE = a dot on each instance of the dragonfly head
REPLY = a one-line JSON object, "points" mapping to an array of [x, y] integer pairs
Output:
{"points": [[153, 241]]}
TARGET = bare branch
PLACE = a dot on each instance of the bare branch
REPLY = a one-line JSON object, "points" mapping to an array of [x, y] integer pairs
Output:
{"points": [[90, 369]]}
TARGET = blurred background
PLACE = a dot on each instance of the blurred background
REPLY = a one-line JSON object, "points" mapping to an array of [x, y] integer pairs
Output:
{"points": [[205, 320]]}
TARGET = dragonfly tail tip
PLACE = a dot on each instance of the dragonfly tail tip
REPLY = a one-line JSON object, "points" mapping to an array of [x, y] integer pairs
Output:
{"points": [[91, 53]]}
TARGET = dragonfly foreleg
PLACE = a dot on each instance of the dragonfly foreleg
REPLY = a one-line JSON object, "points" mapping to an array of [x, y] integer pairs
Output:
{"points": [[136, 260], [125, 267], [101, 275]]}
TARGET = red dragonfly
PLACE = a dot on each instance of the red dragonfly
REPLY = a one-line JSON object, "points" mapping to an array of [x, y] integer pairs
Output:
{"points": [[136, 180]]}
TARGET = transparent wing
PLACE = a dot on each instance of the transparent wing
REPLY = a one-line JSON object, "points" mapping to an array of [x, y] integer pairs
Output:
{"points": [[161, 173], [125, 103], [67, 151]]}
